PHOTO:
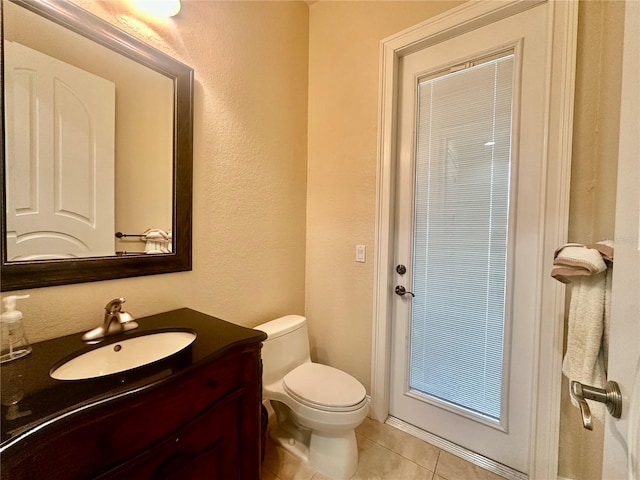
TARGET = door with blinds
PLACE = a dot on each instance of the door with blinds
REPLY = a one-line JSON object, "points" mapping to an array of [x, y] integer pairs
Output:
{"points": [[468, 203]]}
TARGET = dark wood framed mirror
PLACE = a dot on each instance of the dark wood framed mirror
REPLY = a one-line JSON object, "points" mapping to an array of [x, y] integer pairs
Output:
{"points": [[24, 274]]}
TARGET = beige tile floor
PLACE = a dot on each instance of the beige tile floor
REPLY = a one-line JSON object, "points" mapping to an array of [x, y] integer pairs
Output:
{"points": [[385, 453]]}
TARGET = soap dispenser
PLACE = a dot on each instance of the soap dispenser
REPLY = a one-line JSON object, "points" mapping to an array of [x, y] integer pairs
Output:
{"points": [[14, 342]]}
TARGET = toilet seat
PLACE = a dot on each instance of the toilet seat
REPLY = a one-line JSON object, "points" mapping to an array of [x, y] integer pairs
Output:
{"points": [[325, 388]]}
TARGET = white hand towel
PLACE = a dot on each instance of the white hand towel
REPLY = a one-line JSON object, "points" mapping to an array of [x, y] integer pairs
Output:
{"points": [[588, 326], [574, 259], [605, 247], [584, 360]]}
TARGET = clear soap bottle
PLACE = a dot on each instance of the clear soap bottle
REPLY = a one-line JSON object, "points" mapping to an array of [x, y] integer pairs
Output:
{"points": [[14, 341]]}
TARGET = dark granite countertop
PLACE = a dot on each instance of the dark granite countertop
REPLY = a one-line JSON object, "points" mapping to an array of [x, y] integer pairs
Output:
{"points": [[32, 400]]}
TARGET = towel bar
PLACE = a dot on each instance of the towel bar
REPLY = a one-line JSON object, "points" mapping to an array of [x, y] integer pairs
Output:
{"points": [[124, 235]]}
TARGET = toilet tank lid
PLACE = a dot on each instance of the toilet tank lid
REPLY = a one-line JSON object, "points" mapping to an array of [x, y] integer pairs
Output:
{"points": [[282, 325]]}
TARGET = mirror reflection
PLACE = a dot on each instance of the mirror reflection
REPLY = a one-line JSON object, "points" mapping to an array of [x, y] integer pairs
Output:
{"points": [[88, 146], [145, 133]]}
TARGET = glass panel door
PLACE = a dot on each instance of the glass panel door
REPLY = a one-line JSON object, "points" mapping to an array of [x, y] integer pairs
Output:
{"points": [[461, 232]]}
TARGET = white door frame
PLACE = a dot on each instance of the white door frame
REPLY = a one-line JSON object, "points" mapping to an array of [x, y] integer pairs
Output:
{"points": [[562, 33]]}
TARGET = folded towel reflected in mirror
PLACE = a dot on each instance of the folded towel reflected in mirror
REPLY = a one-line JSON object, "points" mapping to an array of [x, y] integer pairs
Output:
{"points": [[157, 241]]}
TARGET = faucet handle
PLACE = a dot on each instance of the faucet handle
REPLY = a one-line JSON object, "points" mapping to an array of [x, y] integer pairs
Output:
{"points": [[125, 317], [115, 305], [115, 321]]}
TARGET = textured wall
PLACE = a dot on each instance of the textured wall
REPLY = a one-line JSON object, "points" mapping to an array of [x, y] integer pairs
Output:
{"points": [[344, 48], [593, 188], [250, 62]]}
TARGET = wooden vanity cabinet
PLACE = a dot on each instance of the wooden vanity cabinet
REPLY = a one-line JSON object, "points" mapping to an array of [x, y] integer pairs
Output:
{"points": [[206, 448], [202, 423]]}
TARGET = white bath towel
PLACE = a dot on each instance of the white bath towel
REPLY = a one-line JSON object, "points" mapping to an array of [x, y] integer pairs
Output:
{"points": [[587, 336], [584, 360], [607, 318], [605, 247]]}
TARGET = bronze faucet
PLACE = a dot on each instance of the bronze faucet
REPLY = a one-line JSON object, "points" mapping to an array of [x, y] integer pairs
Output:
{"points": [[115, 321]]}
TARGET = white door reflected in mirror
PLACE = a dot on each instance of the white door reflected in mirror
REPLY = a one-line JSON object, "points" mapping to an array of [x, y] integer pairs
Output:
{"points": [[69, 148], [60, 158]]}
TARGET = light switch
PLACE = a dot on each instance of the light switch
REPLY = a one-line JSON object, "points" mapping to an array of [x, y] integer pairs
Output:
{"points": [[360, 253]]}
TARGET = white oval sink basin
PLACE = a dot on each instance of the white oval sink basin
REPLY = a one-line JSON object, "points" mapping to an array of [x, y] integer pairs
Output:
{"points": [[122, 356]]}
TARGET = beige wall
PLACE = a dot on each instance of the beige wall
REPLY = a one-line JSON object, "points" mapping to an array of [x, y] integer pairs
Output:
{"points": [[250, 62], [344, 47], [593, 186]]}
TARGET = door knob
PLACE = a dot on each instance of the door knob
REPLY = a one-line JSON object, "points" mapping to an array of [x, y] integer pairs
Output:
{"points": [[400, 290], [610, 396]]}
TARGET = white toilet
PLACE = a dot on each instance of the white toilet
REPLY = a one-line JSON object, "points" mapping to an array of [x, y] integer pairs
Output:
{"points": [[317, 406]]}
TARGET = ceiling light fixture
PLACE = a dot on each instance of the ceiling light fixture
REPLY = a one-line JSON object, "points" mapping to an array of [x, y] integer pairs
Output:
{"points": [[157, 8]]}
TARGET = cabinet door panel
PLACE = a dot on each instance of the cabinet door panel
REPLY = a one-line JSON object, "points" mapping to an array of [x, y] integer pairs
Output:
{"points": [[207, 448], [116, 431]]}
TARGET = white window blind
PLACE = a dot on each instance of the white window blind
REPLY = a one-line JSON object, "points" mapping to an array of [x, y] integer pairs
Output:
{"points": [[461, 235]]}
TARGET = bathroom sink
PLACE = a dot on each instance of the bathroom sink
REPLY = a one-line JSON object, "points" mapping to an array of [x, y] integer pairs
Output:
{"points": [[121, 356]]}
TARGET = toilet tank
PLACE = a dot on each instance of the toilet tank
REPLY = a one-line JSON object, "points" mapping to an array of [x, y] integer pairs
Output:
{"points": [[286, 346]]}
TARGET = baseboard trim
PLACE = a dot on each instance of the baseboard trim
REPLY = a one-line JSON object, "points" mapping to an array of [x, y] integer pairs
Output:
{"points": [[458, 451]]}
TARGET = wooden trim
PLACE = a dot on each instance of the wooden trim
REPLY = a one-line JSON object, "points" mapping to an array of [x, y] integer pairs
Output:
{"points": [[545, 414]]}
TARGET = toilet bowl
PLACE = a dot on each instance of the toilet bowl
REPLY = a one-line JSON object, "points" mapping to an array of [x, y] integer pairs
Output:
{"points": [[317, 407]]}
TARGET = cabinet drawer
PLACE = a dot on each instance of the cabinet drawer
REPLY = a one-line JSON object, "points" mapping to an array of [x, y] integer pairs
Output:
{"points": [[206, 448]]}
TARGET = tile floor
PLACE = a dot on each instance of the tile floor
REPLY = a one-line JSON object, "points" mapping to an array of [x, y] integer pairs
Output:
{"points": [[385, 453]]}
